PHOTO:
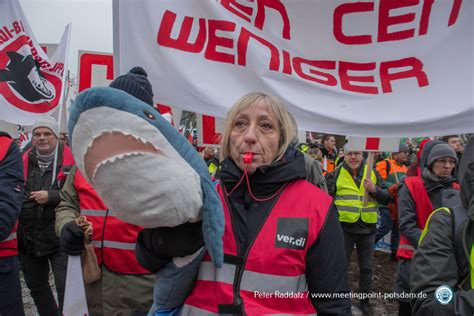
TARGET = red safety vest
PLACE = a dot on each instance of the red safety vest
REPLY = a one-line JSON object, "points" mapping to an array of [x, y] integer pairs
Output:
{"points": [[424, 208], [9, 246], [68, 162], [273, 275], [114, 240]]}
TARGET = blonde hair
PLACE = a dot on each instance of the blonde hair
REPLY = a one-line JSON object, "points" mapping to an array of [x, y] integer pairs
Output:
{"points": [[286, 121]]}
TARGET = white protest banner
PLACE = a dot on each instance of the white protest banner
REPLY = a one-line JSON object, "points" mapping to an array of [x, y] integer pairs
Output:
{"points": [[385, 68], [373, 144], [31, 83]]}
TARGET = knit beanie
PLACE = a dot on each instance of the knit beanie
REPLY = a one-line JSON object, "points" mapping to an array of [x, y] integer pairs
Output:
{"points": [[135, 83], [441, 150], [403, 147], [48, 122]]}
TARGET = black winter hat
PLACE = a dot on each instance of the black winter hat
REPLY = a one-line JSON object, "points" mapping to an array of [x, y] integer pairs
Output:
{"points": [[136, 83]]}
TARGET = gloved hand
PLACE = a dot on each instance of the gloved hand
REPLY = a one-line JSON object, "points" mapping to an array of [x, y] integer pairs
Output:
{"points": [[170, 242], [72, 239]]}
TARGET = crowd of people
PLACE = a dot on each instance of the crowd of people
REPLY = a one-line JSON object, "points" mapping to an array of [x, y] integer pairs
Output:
{"points": [[293, 215]]}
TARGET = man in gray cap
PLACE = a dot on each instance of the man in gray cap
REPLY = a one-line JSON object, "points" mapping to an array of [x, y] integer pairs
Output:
{"points": [[38, 244], [417, 198]]}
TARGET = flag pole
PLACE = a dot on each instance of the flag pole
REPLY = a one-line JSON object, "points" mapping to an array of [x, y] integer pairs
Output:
{"points": [[64, 94]]}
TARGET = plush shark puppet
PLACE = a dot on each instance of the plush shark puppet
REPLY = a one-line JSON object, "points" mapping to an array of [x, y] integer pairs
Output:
{"points": [[144, 170]]}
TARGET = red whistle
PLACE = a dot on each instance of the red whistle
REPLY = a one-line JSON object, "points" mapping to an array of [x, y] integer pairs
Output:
{"points": [[248, 158]]}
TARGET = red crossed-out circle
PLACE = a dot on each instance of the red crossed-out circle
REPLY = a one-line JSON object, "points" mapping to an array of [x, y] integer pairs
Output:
{"points": [[12, 98]]}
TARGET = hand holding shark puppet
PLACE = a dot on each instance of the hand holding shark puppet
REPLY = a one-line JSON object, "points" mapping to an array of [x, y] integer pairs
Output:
{"points": [[144, 170]]}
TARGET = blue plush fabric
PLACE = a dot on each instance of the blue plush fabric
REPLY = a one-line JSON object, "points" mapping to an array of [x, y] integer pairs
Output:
{"points": [[172, 284], [212, 213]]}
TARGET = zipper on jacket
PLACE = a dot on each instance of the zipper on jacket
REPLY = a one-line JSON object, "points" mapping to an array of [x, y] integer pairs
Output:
{"points": [[240, 269]]}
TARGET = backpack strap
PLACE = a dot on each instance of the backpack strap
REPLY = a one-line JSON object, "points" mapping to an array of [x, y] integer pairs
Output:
{"points": [[387, 167]]}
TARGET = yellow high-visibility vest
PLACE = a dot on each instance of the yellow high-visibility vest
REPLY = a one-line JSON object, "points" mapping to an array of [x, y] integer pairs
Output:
{"points": [[348, 199]]}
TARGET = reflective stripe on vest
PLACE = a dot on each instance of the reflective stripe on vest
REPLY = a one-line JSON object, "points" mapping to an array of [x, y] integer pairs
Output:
{"points": [[9, 246], [269, 266], [253, 281], [348, 199], [11, 237], [114, 241]]}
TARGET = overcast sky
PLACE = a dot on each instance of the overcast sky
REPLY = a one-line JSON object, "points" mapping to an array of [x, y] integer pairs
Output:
{"points": [[91, 24]]}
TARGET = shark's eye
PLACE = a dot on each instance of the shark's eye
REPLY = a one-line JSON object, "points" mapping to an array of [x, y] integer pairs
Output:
{"points": [[149, 115]]}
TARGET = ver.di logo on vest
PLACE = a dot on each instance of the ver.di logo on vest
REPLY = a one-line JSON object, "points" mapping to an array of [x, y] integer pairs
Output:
{"points": [[291, 233]]}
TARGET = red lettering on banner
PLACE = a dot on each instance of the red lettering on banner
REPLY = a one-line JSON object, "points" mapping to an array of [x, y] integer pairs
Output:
{"points": [[339, 13], [425, 17], [280, 8], [214, 41], [233, 5], [181, 43], [453, 17], [346, 79], [330, 80], [386, 20], [325, 72], [246, 13], [416, 71], [287, 63], [242, 48], [372, 143]]}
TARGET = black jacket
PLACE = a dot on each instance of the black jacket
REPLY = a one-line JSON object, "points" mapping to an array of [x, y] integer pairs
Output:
{"points": [[443, 254], [325, 261], [36, 232], [11, 196]]}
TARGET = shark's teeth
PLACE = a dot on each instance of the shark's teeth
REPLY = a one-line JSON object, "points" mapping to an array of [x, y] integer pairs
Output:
{"points": [[115, 158]]}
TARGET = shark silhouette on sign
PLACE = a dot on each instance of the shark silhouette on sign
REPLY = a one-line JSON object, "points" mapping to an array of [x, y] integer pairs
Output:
{"points": [[23, 74]]}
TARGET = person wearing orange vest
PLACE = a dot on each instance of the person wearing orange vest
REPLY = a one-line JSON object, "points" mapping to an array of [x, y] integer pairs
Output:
{"points": [[417, 198], [443, 265], [282, 242], [329, 151], [392, 170], [39, 246], [11, 197], [125, 286]]}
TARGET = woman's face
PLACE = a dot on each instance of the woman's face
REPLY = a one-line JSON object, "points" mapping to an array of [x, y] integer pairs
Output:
{"points": [[254, 130], [443, 167]]}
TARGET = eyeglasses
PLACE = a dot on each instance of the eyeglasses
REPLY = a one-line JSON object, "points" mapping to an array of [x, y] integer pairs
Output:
{"points": [[446, 161], [352, 153]]}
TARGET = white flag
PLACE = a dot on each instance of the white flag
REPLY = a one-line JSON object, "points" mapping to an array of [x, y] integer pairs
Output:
{"points": [[31, 83], [75, 303]]}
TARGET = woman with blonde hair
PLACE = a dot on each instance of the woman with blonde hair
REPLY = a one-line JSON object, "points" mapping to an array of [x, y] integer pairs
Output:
{"points": [[283, 244]]}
